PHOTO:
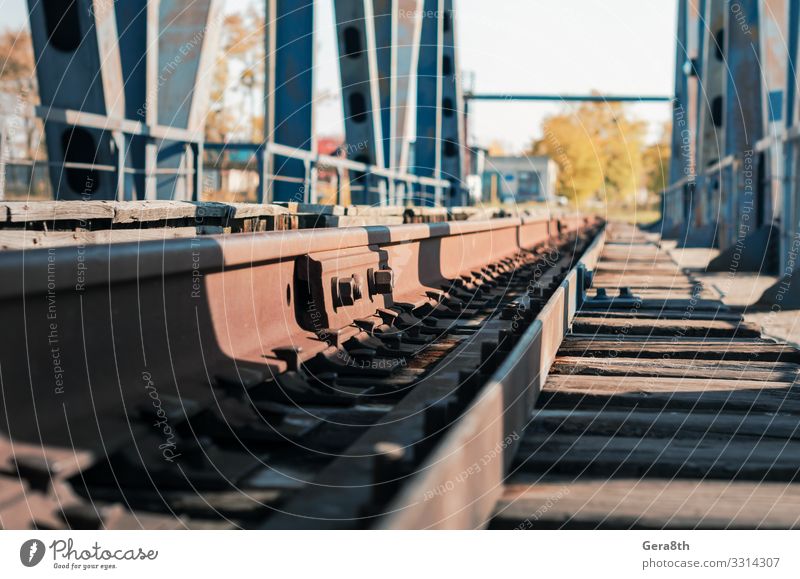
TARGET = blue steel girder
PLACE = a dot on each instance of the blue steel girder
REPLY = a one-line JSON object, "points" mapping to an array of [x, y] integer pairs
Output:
{"points": [[452, 109], [148, 62], [709, 105], [693, 69], [288, 97], [427, 147], [773, 21], [133, 18], [78, 68], [187, 42], [742, 118], [710, 136], [397, 30], [385, 23], [361, 95], [790, 220], [680, 199], [680, 163], [406, 47], [743, 122]]}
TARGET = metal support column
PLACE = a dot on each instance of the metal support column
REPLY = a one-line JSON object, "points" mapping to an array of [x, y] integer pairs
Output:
{"points": [[773, 33], [188, 37], [710, 119], [358, 67], [427, 148], [78, 68], [681, 163], [288, 97], [743, 242], [452, 107]]}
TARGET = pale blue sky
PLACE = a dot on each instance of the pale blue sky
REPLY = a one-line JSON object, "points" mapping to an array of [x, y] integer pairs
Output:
{"points": [[549, 46]]}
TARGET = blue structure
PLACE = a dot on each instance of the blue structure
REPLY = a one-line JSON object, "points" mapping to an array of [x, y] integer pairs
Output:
{"points": [[124, 93], [288, 96], [734, 155], [129, 122]]}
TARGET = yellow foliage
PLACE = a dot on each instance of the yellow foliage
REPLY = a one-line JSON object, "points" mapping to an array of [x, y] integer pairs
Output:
{"points": [[598, 148]]}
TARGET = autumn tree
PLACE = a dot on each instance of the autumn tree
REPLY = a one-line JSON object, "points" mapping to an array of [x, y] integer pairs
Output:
{"points": [[238, 79], [656, 159], [18, 85], [598, 148]]}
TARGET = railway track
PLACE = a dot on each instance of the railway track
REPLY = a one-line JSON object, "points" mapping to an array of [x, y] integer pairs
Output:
{"points": [[663, 409], [339, 378]]}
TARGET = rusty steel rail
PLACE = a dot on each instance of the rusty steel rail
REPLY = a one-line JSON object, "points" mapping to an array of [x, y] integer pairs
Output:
{"points": [[182, 367], [462, 481]]}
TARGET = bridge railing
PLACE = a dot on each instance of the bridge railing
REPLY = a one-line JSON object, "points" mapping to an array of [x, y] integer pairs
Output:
{"points": [[368, 184]]}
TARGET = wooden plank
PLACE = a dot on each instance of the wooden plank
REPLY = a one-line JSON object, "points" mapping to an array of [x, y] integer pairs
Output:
{"points": [[613, 285], [138, 211], [133, 211], [610, 267], [662, 294], [679, 425], [664, 304], [657, 327], [619, 456], [312, 220], [647, 504], [29, 239], [23, 211], [248, 210], [612, 385], [710, 395], [674, 348], [374, 210], [632, 279], [638, 313], [632, 366]]}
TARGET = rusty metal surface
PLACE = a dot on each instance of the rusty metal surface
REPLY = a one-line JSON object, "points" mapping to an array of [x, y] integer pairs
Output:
{"points": [[459, 487], [172, 377]]}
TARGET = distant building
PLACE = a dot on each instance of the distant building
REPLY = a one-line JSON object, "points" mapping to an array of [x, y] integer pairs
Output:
{"points": [[525, 178]]}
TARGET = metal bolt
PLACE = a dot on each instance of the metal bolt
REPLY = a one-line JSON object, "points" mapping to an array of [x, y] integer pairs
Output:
{"points": [[382, 281], [358, 284], [348, 290]]}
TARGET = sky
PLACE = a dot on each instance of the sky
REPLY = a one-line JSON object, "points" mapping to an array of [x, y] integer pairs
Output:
{"points": [[519, 46]]}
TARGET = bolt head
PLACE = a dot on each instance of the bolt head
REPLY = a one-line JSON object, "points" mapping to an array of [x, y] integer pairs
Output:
{"points": [[346, 290], [383, 281]]}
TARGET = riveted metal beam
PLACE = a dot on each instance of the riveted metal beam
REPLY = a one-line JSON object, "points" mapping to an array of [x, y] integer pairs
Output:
{"points": [[742, 120], [427, 147], [773, 19], [790, 224], [188, 37], [452, 111], [397, 31], [681, 165], [407, 46], [78, 68], [289, 95], [361, 95]]}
